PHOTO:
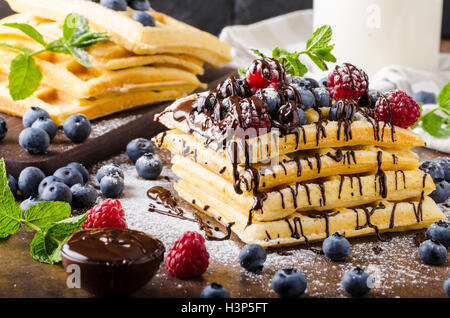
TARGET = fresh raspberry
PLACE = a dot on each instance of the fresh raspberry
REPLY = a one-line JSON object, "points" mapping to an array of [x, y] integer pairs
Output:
{"points": [[404, 111], [249, 117], [108, 213], [188, 257], [265, 72], [347, 82]]}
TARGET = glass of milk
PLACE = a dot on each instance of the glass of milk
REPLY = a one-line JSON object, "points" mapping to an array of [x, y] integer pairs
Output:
{"points": [[372, 34]]}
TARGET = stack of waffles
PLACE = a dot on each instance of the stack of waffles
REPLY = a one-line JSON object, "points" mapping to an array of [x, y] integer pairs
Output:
{"points": [[298, 183], [139, 65]]}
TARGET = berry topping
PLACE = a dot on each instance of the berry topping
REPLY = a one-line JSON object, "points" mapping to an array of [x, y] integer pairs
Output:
{"points": [[117, 5], [188, 257], [398, 108], [336, 247], [271, 97], [432, 252], [138, 147], [444, 162], [440, 232], [142, 5], [3, 128], [32, 114], [109, 213], [149, 166], [347, 82], [323, 82], [265, 72], [289, 283], [357, 282], [233, 87], [77, 128], [144, 18], [289, 117], [215, 291], [322, 97], [342, 109], [373, 97], [34, 140], [29, 180], [252, 257], [434, 169]]}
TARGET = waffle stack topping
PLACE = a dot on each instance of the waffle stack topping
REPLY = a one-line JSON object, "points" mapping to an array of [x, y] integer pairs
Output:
{"points": [[282, 169], [137, 65]]}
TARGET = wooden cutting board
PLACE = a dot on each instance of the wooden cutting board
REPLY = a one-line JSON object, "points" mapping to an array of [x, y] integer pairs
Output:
{"points": [[109, 135]]}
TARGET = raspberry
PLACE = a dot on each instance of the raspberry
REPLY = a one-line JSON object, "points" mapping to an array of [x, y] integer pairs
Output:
{"points": [[188, 257], [109, 213], [265, 72], [347, 82], [404, 111], [249, 117]]}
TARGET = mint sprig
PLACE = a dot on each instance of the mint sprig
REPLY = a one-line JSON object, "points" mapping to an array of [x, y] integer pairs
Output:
{"points": [[24, 76], [50, 220]]}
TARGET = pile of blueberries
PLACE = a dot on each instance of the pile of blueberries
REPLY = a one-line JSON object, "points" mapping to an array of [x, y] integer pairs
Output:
{"points": [[141, 6], [142, 152], [439, 170], [40, 130]]}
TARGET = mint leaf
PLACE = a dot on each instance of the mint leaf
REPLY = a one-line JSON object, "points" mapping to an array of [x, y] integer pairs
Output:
{"points": [[257, 52], [242, 72], [81, 56], [5, 191], [28, 30], [320, 38], [89, 38], [57, 46], [436, 125], [24, 77], [318, 62], [325, 53], [65, 227], [10, 212], [74, 26], [16, 48], [443, 98], [46, 212], [44, 247]]}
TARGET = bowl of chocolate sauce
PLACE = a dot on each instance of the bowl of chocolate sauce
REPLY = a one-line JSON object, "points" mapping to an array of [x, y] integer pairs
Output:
{"points": [[112, 262]]}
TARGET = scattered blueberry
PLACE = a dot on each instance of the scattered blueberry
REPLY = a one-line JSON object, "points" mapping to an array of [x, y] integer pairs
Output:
{"points": [[432, 252], [322, 96], [252, 257], [81, 169], [32, 114], [142, 5], [3, 128], [434, 169], [46, 181], [33, 200], [214, 291], [57, 191], [306, 98], [301, 116], [69, 175], [29, 180], [289, 283], [149, 166], [336, 111], [312, 82], [144, 18], [373, 97], [442, 192], [447, 286], [83, 196], [336, 247], [138, 147], [12, 183], [111, 186], [34, 140], [117, 5], [110, 169], [440, 232], [272, 99], [425, 97], [323, 82], [47, 125], [444, 162], [77, 128], [357, 282]]}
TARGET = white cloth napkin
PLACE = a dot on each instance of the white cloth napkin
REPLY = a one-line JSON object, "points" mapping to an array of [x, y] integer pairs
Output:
{"points": [[292, 30]]}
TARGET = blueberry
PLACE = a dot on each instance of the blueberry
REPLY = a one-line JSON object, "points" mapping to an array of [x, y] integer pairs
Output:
{"points": [[138, 147], [434, 169], [336, 247], [144, 18], [323, 82], [301, 116], [111, 186], [81, 169], [32, 114], [340, 110], [34, 140], [432, 252], [442, 192], [3, 128], [272, 99], [57, 191], [46, 181], [214, 291], [440, 232], [447, 286], [425, 97], [142, 5], [322, 97], [12, 183], [373, 97], [69, 175], [47, 125], [444, 162], [117, 5], [77, 128], [303, 83], [83, 196], [252, 257], [33, 200], [289, 283], [312, 82], [307, 98], [110, 169], [29, 180], [149, 166], [357, 282]]}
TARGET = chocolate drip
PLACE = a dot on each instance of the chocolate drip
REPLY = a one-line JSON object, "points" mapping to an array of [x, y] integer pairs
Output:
{"points": [[294, 229], [368, 221], [323, 200], [381, 176], [320, 130], [304, 185], [326, 216], [319, 162], [392, 223]]}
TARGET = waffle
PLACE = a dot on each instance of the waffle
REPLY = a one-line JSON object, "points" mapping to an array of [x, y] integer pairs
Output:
{"points": [[168, 36]]}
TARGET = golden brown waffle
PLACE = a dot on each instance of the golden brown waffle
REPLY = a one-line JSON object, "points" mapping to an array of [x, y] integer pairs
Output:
{"points": [[168, 36]]}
